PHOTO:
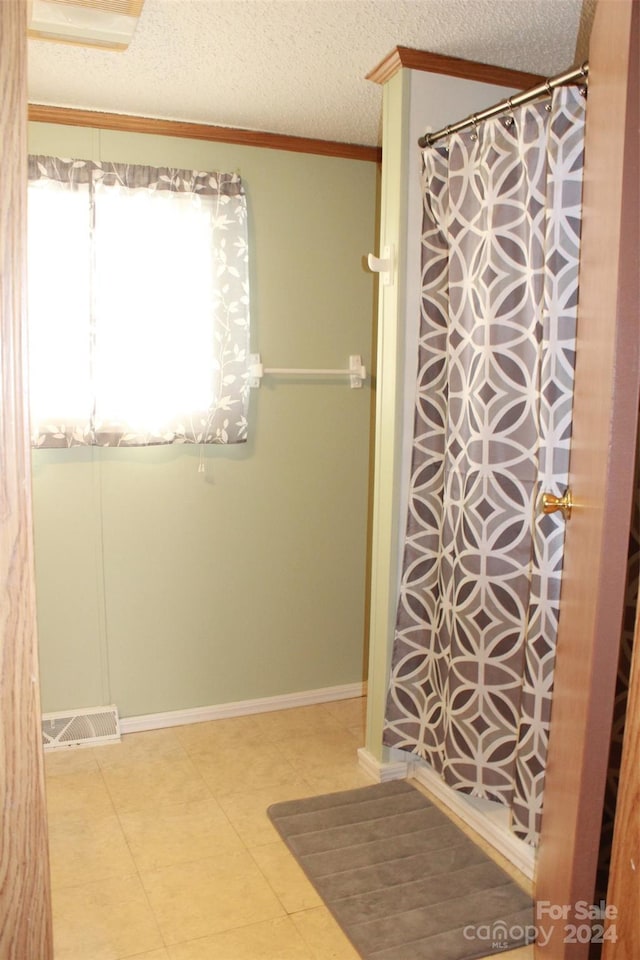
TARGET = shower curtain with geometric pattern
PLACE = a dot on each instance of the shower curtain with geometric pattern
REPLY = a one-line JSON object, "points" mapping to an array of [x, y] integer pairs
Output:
{"points": [[474, 650]]}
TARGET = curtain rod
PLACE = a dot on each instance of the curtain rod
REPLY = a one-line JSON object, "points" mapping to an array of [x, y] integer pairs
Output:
{"points": [[532, 93]]}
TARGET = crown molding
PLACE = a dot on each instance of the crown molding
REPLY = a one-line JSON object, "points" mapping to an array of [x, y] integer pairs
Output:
{"points": [[450, 66], [128, 123]]}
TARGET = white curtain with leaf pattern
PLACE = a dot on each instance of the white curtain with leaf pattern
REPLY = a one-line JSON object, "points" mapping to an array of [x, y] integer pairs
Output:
{"points": [[138, 304]]}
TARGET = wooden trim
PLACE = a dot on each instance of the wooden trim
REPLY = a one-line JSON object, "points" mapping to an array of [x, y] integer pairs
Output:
{"points": [[129, 123], [623, 895], [25, 901], [624, 875], [451, 67]]}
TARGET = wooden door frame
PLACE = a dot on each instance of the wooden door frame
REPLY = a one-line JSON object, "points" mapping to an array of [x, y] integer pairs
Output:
{"points": [[584, 676], [25, 901], [602, 463], [623, 895]]}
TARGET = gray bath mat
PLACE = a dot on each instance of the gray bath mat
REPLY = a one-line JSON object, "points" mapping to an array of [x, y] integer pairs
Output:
{"points": [[401, 879]]}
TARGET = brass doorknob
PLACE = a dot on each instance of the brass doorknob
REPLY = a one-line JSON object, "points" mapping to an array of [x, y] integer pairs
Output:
{"points": [[564, 503]]}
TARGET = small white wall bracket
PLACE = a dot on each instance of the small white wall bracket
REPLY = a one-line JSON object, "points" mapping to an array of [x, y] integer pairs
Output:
{"points": [[255, 370], [356, 371], [384, 264]]}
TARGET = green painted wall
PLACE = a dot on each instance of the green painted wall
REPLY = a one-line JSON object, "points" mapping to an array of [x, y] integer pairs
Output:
{"points": [[161, 588]]}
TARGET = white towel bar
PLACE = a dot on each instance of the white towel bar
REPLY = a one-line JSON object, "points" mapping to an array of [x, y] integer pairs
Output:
{"points": [[356, 371]]}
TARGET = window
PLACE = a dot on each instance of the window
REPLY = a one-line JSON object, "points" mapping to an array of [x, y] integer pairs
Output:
{"points": [[138, 305]]}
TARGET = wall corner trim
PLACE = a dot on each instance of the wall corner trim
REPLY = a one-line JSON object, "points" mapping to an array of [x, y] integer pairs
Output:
{"points": [[381, 771]]}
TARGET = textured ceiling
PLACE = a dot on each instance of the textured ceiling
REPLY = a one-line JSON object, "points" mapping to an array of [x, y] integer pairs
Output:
{"points": [[294, 67]]}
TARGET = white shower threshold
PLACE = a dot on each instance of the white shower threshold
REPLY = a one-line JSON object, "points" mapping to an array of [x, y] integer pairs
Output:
{"points": [[489, 820]]}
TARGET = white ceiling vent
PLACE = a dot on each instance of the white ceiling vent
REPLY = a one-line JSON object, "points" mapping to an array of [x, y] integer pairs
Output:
{"points": [[91, 23], [76, 728]]}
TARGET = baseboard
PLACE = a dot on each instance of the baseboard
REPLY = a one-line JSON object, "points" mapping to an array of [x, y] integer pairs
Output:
{"points": [[380, 771], [241, 708], [516, 851]]}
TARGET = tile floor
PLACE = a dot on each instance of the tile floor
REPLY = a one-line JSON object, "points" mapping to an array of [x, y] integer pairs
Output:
{"points": [[161, 848]]}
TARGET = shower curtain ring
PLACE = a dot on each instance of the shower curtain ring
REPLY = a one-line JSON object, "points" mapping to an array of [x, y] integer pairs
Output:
{"points": [[547, 84], [509, 121], [584, 70], [474, 121]]}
